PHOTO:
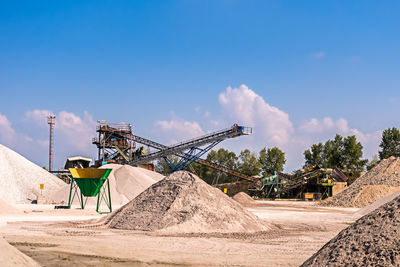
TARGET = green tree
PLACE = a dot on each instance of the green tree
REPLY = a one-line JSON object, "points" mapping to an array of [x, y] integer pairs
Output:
{"points": [[390, 143], [249, 163], [271, 159], [352, 154], [314, 155], [333, 153], [343, 153]]}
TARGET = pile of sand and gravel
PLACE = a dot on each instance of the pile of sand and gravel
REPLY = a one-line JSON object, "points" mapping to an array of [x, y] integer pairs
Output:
{"points": [[377, 183], [126, 182], [373, 240], [21, 178], [244, 199], [10, 256], [184, 203]]}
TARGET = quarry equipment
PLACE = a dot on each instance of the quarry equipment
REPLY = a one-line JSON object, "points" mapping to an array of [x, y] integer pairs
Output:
{"points": [[312, 181], [90, 182], [116, 144]]}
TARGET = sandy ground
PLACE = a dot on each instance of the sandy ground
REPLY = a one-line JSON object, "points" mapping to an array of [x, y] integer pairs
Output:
{"points": [[51, 238]]}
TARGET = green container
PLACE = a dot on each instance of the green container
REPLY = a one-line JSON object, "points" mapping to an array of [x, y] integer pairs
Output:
{"points": [[90, 187], [90, 182]]}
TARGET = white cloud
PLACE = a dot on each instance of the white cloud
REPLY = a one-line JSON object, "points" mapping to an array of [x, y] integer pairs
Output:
{"points": [[6, 131], [77, 131], [177, 130], [39, 116], [250, 109], [318, 55], [315, 126]]}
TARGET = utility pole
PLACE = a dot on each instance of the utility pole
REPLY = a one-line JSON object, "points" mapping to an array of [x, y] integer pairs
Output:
{"points": [[51, 121]]}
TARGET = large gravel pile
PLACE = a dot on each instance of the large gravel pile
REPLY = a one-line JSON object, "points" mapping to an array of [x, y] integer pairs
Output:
{"points": [[21, 178], [126, 182], [380, 181], [373, 240], [182, 202]]}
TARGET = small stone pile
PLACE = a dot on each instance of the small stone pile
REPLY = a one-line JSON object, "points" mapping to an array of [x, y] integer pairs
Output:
{"points": [[184, 203], [244, 199]]}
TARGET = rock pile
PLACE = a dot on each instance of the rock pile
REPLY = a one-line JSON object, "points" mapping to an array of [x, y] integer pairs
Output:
{"points": [[373, 240], [184, 203], [380, 181]]}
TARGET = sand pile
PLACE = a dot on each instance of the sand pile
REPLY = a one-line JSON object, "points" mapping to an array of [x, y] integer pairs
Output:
{"points": [[126, 182], [21, 178], [10, 256], [182, 202], [380, 181], [373, 240], [244, 199]]}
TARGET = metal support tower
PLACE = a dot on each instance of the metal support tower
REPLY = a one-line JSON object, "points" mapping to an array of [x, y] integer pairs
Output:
{"points": [[51, 121], [116, 143]]}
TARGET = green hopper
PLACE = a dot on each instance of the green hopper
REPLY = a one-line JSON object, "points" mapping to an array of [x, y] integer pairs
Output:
{"points": [[91, 183]]}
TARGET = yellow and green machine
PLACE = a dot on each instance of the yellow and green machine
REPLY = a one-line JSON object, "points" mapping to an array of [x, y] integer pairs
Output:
{"points": [[315, 180], [90, 182]]}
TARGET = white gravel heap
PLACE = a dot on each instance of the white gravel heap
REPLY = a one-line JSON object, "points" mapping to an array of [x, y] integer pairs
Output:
{"points": [[20, 178]]}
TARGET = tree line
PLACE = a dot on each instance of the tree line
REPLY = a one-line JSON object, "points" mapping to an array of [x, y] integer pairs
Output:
{"points": [[340, 152]]}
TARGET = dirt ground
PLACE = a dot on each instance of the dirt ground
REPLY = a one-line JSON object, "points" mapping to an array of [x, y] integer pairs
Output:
{"points": [[52, 238]]}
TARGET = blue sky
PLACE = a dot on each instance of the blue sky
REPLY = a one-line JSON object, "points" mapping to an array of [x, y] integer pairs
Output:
{"points": [[308, 69]]}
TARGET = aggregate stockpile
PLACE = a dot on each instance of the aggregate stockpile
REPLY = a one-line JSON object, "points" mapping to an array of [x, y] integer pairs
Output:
{"points": [[377, 183], [21, 178], [373, 240], [244, 199], [184, 203], [126, 182]]}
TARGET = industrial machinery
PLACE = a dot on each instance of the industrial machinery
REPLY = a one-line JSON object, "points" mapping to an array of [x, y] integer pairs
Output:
{"points": [[311, 183], [117, 144], [90, 182]]}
